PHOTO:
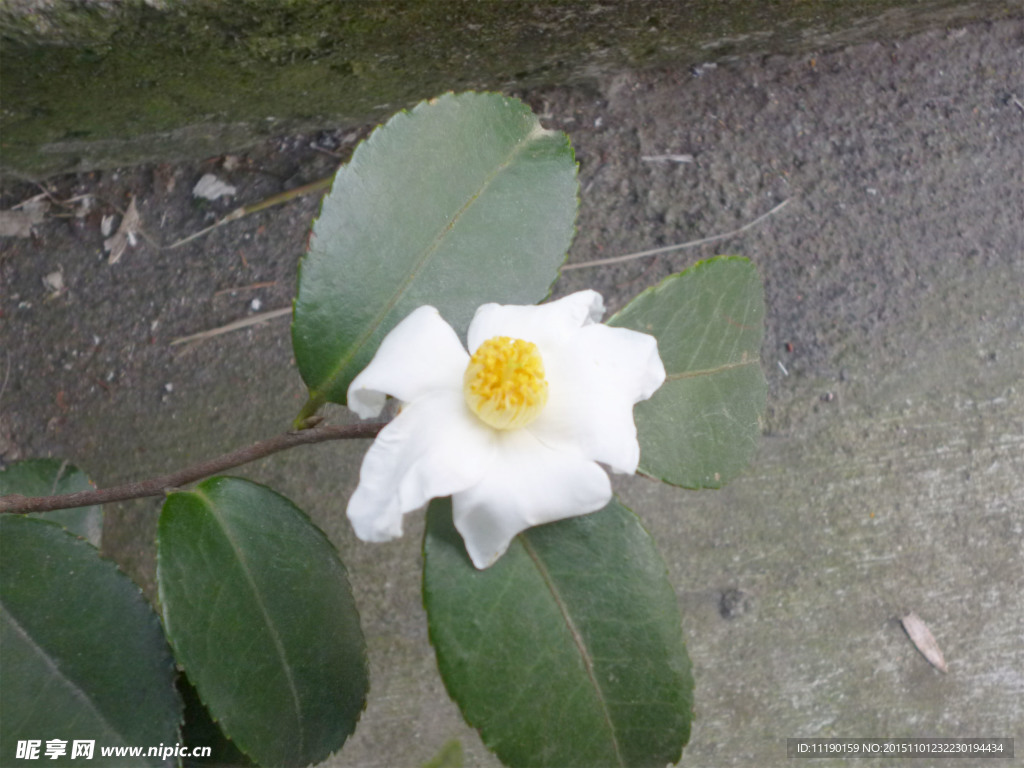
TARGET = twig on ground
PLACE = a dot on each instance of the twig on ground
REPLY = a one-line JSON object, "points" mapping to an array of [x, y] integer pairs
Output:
{"points": [[275, 313], [678, 246], [245, 322], [250, 287], [667, 158], [245, 210]]}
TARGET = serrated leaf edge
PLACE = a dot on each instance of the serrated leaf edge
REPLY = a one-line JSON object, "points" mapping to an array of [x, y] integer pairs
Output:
{"points": [[316, 395], [112, 568], [208, 503]]}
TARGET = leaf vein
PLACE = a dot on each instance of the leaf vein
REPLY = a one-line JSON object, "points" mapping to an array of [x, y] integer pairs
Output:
{"points": [[274, 635], [59, 674], [588, 660], [709, 371], [419, 263]]}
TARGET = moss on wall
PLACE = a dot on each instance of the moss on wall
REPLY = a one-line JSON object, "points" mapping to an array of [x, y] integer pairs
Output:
{"points": [[91, 85]]}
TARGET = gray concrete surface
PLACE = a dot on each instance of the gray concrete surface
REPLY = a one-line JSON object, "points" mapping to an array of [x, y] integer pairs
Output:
{"points": [[891, 474]]}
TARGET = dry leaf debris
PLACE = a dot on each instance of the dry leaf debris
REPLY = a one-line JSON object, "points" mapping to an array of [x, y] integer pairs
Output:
{"points": [[19, 220], [126, 234], [210, 187], [924, 640], [54, 283]]}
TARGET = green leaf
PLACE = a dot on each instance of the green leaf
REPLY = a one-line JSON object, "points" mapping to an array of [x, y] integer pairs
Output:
{"points": [[566, 652], [260, 613], [464, 200], [702, 427], [82, 655], [48, 477], [198, 730], [449, 756]]}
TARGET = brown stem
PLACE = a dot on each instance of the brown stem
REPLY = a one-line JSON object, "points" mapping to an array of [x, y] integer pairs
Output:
{"points": [[157, 486]]}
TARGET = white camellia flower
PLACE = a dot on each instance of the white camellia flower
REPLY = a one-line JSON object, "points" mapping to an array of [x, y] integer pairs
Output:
{"points": [[512, 433]]}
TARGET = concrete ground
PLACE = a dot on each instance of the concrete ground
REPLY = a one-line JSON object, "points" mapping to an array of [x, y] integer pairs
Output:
{"points": [[891, 474]]}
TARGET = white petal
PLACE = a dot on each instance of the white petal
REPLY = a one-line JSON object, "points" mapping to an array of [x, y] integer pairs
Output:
{"points": [[434, 447], [593, 385], [546, 325], [420, 354], [528, 484]]}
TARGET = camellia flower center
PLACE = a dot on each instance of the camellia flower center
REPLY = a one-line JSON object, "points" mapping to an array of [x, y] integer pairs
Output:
{"points": [[504, 383]]}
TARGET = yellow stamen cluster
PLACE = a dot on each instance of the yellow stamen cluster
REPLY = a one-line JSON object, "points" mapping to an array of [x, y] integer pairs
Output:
{"points": [[504, 383]]}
